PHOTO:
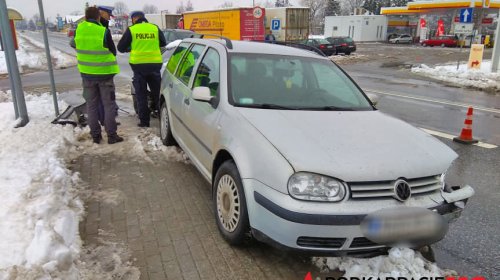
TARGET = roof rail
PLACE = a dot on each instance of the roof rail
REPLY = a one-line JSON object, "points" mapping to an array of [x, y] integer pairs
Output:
{"points": [[229, 44], [297, 45]]}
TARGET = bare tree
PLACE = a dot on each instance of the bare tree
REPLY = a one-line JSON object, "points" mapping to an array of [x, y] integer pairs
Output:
{"points": [[282, 3], [150, 9], [226, 4], [189, 6], [348, 6], [316, 16], [120, 8], [265, 4], [180, 9]]}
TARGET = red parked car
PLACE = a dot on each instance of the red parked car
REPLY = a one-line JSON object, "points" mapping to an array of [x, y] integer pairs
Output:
{"points": [[443, 41]]}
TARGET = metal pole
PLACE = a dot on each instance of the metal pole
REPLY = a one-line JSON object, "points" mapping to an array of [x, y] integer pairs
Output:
{"points": [[495, 59], [14, 99], [12, 65], [462, 43], [49, 58]]}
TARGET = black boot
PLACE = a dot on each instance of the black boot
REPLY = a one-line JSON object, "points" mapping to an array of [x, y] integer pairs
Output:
{"points": [[97, 139], [114, 138]]}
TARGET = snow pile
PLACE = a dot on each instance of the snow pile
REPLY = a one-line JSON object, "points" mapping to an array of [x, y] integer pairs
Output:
{"points": [[401, 262], [347, 59], [26, 58], [148, 141], [481, 78], [5, 96], [31, 55], [41, 203], [60, 60], [39, 206]]}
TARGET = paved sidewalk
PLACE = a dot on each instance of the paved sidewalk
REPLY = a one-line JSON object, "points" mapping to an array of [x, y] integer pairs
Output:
{"points": [[162, 211]]}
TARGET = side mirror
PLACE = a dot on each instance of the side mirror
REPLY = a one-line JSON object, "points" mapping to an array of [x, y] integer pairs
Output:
{"points": [[202, 94], [373, 98]]}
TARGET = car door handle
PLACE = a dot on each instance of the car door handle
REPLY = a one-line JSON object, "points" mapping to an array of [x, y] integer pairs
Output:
{"points": [[186, 101]]}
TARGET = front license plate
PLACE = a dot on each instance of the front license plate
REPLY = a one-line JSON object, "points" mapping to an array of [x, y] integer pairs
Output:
{"points": [[404, 225]]}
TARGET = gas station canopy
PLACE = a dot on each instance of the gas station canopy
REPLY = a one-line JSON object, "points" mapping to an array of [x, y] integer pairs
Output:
{"points": [[424, 6], [14, 14]]}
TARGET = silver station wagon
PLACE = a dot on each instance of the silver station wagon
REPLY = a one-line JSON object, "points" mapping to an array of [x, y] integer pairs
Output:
{"points": [[298, 156]]}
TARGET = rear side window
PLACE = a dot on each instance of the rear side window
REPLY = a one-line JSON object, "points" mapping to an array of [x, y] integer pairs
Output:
{"points": [[176, 57], [208, 74], [185, 69]]}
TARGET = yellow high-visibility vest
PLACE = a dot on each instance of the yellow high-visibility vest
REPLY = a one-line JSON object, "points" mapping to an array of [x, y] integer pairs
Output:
{"points": [[145, 46], [93, 57]]}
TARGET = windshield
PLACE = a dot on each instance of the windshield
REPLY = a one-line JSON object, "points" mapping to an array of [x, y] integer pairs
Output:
{"points": [[348, 40], [295, 83]]}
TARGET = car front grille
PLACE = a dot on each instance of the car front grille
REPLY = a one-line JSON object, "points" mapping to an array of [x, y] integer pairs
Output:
{"points": [[362, 242], [384, 189], [320, 242]]}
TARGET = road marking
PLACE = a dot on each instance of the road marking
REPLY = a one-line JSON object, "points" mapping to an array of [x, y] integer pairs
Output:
{"points": [[426, 99], [449, 136]]}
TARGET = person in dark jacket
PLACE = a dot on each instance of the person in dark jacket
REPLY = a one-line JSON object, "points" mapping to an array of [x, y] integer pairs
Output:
{"points": [[106, 13], [96, 56], [144, 42]]}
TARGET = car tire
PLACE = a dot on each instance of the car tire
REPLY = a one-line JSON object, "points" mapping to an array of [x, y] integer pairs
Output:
{"points": [[424, 45], [230, 205], [347, 53], [443, 45], [397, 42], [166, 136]]}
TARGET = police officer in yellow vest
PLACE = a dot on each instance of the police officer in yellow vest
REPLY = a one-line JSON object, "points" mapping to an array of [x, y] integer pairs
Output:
{"points": [[96, 55], [144, 41]]}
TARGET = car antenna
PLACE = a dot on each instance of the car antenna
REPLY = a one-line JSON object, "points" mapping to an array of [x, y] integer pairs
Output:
{"points": [[229, 44]]}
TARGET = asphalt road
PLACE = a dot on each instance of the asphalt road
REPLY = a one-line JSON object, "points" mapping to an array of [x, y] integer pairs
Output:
{"points": [[69, 76], [472, 246]]}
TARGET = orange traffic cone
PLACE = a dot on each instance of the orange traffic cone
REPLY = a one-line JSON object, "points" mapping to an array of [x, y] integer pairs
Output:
{"points": [[466, 134]]}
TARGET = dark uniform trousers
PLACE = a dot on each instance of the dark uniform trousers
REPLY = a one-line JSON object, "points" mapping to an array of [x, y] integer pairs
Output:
{"points": [[143, 78], [100, 91]]}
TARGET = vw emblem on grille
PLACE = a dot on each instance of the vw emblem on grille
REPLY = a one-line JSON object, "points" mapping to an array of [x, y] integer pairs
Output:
{"points": [[402, 190]]}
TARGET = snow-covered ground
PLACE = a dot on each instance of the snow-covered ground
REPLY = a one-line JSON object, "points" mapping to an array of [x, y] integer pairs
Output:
{"points": [[400, 262], [31, 56], [41, 204], [348, 59], [482, 78]]}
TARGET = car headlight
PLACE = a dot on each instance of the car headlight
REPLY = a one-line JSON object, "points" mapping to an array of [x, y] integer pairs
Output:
{"points": [[310, 186]]}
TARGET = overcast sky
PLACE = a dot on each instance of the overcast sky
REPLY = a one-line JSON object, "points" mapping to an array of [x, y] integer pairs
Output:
{"points": [[64, 7]]}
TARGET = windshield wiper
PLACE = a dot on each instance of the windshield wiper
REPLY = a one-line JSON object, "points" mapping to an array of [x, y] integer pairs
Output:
{"points": [[325, 108], [335, 108], [266, 106]]}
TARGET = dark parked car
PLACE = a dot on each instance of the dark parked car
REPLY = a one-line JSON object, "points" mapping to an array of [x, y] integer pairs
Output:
{"points": [[177, 34], [443, 41], [342, 44], [322, 44]]}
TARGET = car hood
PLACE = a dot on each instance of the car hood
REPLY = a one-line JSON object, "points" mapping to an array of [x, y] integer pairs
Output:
{"points": [[351, 145]]}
